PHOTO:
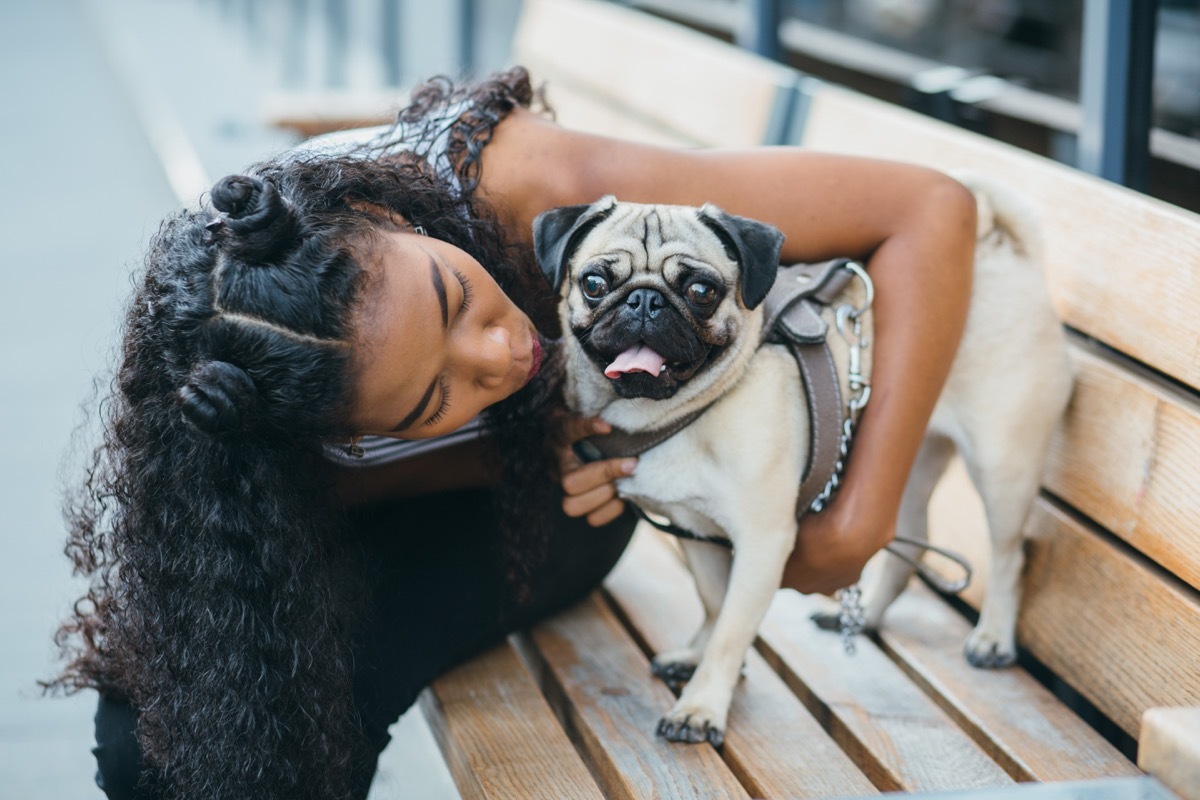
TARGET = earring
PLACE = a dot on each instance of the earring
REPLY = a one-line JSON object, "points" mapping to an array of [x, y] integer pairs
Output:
{"points": [[354, 449], [419, 230]]}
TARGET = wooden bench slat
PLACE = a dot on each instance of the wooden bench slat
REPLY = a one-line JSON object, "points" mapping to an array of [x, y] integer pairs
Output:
{"points": [[1110, 625], [1106, 623], [657, 596], [1135, 478], [498, 735], [583, 113], [1122, 266], [897, 735], [1029, 731], [599, 684], [1170, 748], [700, 88]]}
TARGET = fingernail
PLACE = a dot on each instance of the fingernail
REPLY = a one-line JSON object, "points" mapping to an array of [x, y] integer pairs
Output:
{"points": [[601, 426], [629, 465]]}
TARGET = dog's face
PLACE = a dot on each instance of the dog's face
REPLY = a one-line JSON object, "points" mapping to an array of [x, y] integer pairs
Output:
{"points": [[654, 295]]}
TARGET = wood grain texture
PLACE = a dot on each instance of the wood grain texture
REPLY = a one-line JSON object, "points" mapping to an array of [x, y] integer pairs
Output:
{"points": [[1170, 749], [499, 736], [1013, 717], [1127, 456], [892, 731], [687, 82], [599, 684], [1114, 627], [1107, 622], [1122, 267], [773, 744]]}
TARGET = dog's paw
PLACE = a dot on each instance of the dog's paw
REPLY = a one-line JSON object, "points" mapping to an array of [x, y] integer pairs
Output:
{"points": [[692, 726], [987, 651], [674, 669]]}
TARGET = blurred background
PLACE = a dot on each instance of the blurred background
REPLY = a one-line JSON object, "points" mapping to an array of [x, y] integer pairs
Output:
{"points": [[114, 112]]}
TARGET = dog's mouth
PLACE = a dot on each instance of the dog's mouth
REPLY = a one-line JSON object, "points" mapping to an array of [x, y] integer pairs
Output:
{"points": [[640, 371]]}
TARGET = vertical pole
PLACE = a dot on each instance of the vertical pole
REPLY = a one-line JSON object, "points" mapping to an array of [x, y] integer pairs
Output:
{"points": [[466, 36], [295, 44], [393, 65], [760, 34], [337, 29], [1116, 76]]}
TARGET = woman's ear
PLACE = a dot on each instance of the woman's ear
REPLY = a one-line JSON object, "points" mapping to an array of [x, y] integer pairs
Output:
{"points": [[557, 232]]}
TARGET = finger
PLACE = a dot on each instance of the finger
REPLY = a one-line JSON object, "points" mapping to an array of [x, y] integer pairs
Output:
{"points": [[606, 513], [568, 460], [577, 426], [597, 473], [587, 502]]}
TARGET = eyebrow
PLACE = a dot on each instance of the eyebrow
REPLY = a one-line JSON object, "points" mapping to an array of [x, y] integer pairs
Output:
{"points": [[439, 286], [416, 413]]}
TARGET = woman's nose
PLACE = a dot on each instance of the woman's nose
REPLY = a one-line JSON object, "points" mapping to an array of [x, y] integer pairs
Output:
{"points": [[494, 359]]}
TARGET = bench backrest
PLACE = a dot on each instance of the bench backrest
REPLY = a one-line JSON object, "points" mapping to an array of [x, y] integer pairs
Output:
{"points": [[1111, 603], [623, 73]]}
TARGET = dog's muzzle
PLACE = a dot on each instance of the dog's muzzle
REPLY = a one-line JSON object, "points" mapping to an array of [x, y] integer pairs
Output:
{"points": [[645, 346]]}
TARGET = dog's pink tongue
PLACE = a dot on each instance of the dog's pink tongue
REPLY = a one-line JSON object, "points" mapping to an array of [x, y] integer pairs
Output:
{"points": [[638, 358]]}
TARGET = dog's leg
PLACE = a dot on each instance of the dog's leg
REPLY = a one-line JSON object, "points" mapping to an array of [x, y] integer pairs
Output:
{"points": [[1008, 489], [702, 709], [709, 564], [884, 580]]}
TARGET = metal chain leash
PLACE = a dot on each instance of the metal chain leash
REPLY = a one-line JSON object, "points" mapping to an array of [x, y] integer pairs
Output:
{"points": [[849, 325]]}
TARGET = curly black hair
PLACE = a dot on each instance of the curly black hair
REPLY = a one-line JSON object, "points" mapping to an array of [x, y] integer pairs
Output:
{"points": [[221, 598]]}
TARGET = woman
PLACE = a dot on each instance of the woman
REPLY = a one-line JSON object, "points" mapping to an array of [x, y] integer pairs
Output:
{"points": [[259, 611]]}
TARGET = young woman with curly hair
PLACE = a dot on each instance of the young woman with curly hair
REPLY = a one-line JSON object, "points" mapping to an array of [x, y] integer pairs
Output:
{"points": [[259, 610]]}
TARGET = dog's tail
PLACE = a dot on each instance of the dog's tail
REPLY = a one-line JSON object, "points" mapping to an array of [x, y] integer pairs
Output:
{"points": [[1004, 212]]}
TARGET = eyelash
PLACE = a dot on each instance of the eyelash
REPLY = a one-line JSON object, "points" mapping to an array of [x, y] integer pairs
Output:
{"points": [[443, 406], [467, 293]]}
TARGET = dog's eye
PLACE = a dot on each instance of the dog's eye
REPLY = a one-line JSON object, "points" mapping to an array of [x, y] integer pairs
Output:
{"points": [[594, 286], [701, 294]]}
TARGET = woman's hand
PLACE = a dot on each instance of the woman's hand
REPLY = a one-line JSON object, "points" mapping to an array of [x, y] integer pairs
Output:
{"points": [[833, 546], [589, 490]]}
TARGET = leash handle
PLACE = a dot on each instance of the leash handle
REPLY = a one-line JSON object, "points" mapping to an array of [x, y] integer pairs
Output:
{"points": [[929, 576]]}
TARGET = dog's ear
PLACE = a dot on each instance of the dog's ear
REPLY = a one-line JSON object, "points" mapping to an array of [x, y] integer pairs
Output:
{"points": [[754, 245], [557, 232]]}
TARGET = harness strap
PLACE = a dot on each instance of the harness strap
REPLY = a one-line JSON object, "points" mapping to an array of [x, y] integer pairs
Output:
{"points": [[791, 317], [620, 443]]}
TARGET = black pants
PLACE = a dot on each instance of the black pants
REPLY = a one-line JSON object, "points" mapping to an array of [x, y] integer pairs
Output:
{"points": [[439, 600]]}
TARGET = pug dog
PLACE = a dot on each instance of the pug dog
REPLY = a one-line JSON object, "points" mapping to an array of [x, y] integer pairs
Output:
{"points": [[662, 317]]}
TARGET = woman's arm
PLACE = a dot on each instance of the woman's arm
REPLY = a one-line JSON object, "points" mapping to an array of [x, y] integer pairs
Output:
{"points": [[914, 226]]}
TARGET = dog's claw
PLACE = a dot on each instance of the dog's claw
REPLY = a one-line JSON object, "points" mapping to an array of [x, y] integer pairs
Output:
{"points": [[688, 734], [984, 653]]}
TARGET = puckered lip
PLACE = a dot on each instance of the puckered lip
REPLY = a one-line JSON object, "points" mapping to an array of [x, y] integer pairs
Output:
{"points": [[537, 355]]}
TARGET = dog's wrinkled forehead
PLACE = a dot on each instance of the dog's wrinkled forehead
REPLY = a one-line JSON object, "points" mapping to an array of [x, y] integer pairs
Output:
{"points": [[645, 239]]}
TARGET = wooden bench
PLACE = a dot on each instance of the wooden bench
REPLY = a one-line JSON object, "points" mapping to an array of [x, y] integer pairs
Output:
{"points": [[1111, 609], [1111, 616]]}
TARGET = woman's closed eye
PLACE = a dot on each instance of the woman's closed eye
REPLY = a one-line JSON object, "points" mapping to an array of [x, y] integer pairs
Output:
{"points": [[467, 293], [443, 406]]}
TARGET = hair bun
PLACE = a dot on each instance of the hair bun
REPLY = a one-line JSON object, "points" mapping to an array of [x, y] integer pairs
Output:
{"points": [[264, 224], [218, 397]]}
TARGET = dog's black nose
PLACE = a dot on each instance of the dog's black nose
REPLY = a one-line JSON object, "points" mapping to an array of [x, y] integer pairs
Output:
{"points": [[649, 301]]}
